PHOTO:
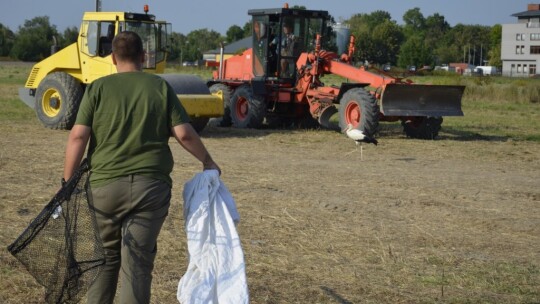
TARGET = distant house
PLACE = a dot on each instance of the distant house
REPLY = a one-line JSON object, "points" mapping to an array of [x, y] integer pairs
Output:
{"points": [[229, 50], [520, 44], [460, 67]]}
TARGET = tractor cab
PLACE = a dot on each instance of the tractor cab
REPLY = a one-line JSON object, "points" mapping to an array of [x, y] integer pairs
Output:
{"points": [[280, 36], [99, 28]]}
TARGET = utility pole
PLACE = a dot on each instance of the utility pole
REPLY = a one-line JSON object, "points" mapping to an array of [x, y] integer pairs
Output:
{"points": [[98, 5]]}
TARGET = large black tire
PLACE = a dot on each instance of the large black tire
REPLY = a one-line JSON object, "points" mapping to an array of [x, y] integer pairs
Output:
{"points": [[359, 108], [224, 121], [422, 127], [247, 109], [189, 84], [58, 98]]}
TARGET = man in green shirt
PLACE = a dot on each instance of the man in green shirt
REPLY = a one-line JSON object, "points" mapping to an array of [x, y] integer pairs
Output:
{"points": [[127, 119]]}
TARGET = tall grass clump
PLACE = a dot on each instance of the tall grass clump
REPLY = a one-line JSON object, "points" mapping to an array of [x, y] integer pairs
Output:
{"points": [[520, 91], [490, 89]]}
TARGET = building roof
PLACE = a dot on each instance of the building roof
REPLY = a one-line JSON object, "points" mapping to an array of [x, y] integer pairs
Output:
{"points": [[232, 48], [527, 14]]}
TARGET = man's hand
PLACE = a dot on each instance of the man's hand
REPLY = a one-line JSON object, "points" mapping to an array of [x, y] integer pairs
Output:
{"points": [[209, 164]]}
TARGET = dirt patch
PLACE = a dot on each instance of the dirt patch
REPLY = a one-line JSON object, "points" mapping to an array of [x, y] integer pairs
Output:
{"points": [[415, 221]]}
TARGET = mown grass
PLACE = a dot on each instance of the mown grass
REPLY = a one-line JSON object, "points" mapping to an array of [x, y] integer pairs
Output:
{"points": [[13, 73], [13, 76], [374, 243]]}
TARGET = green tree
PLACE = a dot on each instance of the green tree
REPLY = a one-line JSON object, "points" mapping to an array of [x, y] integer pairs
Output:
{"points": [[435, 31], [415, 52], [34, 40], [376, 18], [7, 38], [199, 41], [495, 35], [363, 27], [473, 41], [494, 56], [234, 33], [70, 36], [365, 23], [177, 46], [248, 28], [437, 23], [436, 27], [494, 53], [445, 54], [387, 39], [414, 22]]}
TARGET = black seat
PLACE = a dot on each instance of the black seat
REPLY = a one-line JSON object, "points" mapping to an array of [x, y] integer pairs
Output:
{"points": [[105, 42]]}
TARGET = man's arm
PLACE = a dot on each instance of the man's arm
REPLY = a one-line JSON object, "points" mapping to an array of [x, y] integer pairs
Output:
{"points": [[76, 145], [188, 138]]}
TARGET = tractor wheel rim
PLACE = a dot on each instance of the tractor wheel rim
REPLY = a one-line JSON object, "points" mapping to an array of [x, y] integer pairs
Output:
{"points": [[242, 108], [51, 102], [352, 114]]}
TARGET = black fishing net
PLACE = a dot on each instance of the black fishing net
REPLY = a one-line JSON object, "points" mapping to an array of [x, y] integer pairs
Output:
{"points": [[61, 247]]}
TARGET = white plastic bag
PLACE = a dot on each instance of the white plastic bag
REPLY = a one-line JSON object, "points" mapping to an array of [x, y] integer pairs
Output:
{"points": [[216, 269]]}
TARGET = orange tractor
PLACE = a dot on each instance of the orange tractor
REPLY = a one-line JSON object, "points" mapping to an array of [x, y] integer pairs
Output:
{"points": [[279, 80]]}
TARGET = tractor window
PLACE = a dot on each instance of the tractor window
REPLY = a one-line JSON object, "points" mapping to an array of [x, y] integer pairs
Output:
{"points": [[289, 45], [164, 41], [106, 36], [261, 54], [148, 34], [89, 37]]}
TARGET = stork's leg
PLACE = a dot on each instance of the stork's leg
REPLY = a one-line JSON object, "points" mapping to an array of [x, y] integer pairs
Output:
{"points": [[355, 148]]}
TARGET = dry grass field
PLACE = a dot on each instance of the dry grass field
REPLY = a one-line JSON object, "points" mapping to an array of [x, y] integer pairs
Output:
{"points": [[454, 220]]}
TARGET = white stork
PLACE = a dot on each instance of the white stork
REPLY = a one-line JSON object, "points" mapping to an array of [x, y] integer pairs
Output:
{"points": [[359, 137]]}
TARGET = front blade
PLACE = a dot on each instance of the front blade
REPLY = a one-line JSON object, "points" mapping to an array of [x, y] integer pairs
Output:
{"points": [[422, 100]]}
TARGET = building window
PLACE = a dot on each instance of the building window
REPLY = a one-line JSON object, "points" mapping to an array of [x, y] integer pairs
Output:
{"points": [[517, 49], [518, 37], [518, 69], [535, 49], [532, 69], [524, 68], [535, 36], [533, 23]]}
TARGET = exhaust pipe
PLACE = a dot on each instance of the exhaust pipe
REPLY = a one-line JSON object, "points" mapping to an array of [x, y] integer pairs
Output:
{"points": [[54, 47], [221, 52]]}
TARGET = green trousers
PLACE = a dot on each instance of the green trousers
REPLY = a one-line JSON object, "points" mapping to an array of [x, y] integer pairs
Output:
{"points": [[129, 212]]}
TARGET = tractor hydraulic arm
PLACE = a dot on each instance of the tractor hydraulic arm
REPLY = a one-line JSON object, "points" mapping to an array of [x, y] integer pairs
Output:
{"points": [[357, 74]]}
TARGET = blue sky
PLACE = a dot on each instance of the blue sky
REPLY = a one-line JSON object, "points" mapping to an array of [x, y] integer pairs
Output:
{"points": [[219, 15]]}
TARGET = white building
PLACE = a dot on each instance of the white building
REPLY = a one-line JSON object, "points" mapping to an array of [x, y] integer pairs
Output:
{"points": [[520, 45]]}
